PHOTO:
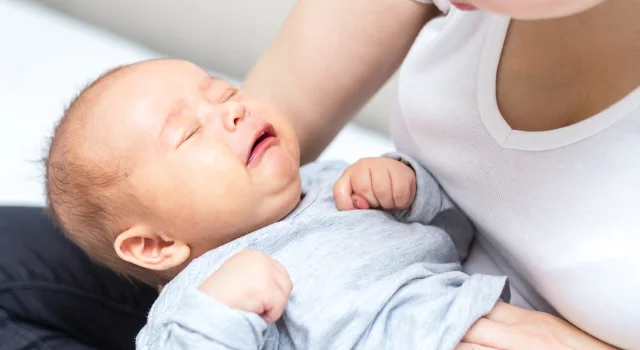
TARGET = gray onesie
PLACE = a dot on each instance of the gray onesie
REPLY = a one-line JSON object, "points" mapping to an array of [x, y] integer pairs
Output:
{"points": [[362, 279]]}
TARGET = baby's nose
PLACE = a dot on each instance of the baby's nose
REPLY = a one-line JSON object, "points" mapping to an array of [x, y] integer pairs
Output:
{"points": [[233, 113]]}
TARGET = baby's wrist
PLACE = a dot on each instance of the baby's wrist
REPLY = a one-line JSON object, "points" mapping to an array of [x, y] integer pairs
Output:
{"points": [[405, 162]]}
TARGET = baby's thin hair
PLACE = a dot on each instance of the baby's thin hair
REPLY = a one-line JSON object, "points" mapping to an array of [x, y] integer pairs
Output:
{"points": [[86, 195]]}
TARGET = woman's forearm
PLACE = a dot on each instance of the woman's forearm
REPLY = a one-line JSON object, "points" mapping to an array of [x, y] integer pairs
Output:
{"points": [[330, 57]]}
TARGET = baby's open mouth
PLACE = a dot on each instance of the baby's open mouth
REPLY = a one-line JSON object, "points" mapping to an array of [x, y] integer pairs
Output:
{"points": [[263, 141]]}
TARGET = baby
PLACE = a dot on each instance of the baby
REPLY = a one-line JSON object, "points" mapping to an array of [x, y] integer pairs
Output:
{"points": [[179, 179]]}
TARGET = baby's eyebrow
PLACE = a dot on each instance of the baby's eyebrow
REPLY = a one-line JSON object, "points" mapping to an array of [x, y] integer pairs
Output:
{"points": [[206, 83], [174, 112]]}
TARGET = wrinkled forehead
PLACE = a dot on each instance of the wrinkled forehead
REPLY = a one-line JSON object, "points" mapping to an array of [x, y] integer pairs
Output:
{"points": [[132, 106], [128, 106], [157, 86], [139, 94]]}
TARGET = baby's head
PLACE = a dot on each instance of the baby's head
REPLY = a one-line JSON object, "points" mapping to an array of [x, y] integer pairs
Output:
{"points": [[158, 162]]}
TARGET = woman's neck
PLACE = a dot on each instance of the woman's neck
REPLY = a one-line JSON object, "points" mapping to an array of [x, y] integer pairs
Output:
{"points": [[569, 68], [613, 28], [616, 16]]}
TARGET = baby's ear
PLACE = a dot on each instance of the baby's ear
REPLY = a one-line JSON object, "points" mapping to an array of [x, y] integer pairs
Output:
{"points": [[143, 246]]}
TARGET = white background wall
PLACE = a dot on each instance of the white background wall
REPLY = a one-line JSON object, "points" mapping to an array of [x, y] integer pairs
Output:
{"points": [[225, 35]]}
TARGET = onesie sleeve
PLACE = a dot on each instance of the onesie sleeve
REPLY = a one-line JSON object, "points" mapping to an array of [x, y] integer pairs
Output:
{"points": [[433, 207], [428, 201], [201, 322]]}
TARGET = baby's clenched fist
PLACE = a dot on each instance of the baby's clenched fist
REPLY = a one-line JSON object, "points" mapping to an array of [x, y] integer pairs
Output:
{"points": [[376, 183], [251, 281]]}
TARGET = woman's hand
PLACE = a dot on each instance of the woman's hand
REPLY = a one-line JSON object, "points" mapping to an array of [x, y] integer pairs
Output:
{"points": [[510, 327]]}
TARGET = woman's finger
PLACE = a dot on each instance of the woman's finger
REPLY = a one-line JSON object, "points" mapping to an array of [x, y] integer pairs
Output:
{"points": [[490, 334], [469, 346], [505, 313]]}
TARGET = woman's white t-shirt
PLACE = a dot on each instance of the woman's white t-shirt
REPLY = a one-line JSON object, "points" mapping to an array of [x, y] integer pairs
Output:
{"points": [[556, 211]]}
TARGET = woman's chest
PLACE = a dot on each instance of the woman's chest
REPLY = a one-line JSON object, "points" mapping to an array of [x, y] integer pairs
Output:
{"points": [[557, 195], [557, 73], [573, 188]]}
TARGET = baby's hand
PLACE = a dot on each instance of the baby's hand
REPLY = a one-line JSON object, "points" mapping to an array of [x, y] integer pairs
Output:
{"points": [[251, 281], [380, 183]]}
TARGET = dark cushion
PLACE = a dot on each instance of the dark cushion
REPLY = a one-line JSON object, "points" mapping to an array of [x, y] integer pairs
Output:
{"points": [[47, 282]]}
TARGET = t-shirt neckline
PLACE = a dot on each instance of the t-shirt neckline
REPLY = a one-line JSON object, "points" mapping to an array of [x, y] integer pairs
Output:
{"points": [[508, 138]]}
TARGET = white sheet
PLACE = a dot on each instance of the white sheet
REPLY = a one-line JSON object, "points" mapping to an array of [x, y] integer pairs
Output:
{"points": [[46, 57]]}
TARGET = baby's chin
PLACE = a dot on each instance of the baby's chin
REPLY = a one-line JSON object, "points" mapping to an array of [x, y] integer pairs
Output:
{"points": [[284, 202], [278, 168], [279, 178]]}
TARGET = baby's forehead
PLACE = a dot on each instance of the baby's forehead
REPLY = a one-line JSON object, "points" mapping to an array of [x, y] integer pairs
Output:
{"points": [[133, 98], [153, 89], [163, 82]]}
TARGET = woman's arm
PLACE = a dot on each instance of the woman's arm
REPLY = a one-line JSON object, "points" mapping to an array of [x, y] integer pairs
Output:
{"points": [[330, 57], [510, 327]]}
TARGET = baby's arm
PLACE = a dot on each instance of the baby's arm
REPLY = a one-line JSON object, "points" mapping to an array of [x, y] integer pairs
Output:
{"points": [[429, 200], [433, 207], [395, 183], [231, 310], [399, 184], [376, 183]]}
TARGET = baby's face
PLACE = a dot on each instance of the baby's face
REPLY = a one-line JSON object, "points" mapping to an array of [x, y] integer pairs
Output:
{"points": [[210, 163], [530, 9]]}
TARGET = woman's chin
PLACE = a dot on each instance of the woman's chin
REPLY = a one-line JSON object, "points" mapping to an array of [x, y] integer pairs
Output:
{"points": [[537, 10]]}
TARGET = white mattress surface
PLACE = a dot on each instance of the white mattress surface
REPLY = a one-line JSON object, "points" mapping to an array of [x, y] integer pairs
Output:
{"points": [[46, 58]]}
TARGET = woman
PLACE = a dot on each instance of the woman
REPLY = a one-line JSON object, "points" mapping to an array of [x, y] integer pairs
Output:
{"points": [[527, 112]]}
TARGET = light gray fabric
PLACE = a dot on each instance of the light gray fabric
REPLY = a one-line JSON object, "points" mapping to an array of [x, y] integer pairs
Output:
{"points": [[362, 279]]}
